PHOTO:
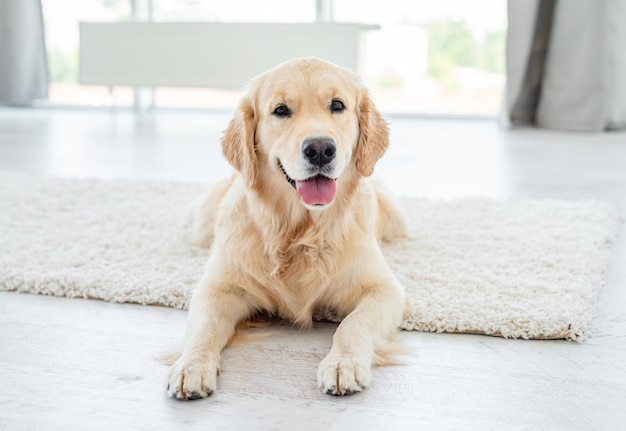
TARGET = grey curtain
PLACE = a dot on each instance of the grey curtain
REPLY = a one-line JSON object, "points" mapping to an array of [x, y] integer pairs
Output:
{"points": [[23, 65], [566, 64]]}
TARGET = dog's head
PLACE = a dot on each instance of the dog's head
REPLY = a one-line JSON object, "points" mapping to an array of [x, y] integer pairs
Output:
{"points": [[306, 124]]}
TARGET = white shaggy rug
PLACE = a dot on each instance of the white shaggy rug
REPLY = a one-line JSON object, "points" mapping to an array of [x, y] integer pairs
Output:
{"points": [[529, 269]]}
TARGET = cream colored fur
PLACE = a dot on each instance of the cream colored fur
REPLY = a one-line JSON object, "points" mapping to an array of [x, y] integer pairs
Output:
{"points": [[273, 253]]}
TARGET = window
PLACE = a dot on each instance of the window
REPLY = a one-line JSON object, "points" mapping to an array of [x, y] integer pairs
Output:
{"points": [[444, 57], [61, 18], [233, 10], [221, 11]]}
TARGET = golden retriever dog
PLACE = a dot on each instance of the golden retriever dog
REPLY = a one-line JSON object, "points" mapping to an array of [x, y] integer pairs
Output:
{"points": [[297, 228]]}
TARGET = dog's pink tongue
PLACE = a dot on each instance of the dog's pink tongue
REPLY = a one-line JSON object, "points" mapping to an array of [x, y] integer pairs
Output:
{"points": [[316, 191]]}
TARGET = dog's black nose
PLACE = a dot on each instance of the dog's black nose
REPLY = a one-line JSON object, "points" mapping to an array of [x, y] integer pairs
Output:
{"points": [[319, 151]]}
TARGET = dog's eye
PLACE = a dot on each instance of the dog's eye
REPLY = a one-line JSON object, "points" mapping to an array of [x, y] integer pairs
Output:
{"points": [[337, 106], [282, 111]]}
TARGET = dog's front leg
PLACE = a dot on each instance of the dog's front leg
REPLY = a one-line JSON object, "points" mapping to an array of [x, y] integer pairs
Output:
{"points": [[214, 312], [347, 367]]}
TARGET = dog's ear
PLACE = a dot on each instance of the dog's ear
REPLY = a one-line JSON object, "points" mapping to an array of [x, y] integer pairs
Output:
{"points": [[373, 136], [238, 141]]}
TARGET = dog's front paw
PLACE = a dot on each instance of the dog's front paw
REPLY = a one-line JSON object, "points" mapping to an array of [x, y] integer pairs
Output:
{"points": [[192, 379], [343, 375]]}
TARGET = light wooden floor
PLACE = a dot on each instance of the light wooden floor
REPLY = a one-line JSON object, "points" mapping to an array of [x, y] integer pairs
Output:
{"points": [[80, 364]]}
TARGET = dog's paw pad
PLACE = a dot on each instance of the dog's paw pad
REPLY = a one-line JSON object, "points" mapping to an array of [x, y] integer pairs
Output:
{"points": [[196, 395]]}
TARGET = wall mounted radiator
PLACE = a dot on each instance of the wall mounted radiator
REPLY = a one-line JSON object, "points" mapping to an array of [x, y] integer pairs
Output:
{"points": [[212, 55]]}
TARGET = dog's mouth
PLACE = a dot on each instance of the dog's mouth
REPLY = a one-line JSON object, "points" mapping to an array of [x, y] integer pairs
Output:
{"points": [[317, 190]]}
